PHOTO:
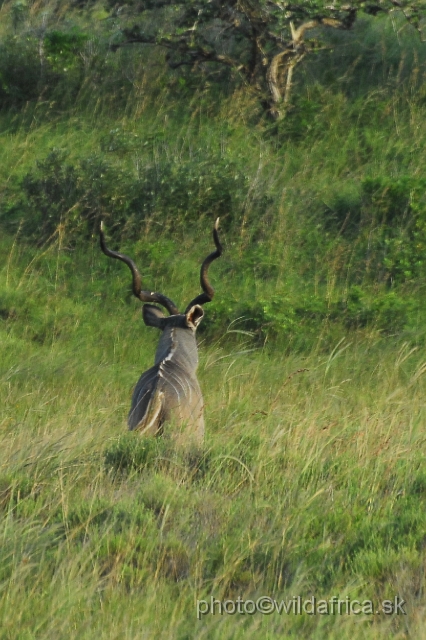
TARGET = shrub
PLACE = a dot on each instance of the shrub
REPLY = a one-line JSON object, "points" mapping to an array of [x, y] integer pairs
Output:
{"points": [[387, 312], [387, 218], [20, 71], [62, 48], [57, 191]]}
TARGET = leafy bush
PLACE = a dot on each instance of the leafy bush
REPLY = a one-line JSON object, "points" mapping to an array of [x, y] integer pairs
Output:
{"points": [[62, 48], [20, 71], [57, 191], [387, 219], [296, 321], [387, 312], [343, 212], [31, 67], [396, 213], [47, 68]]}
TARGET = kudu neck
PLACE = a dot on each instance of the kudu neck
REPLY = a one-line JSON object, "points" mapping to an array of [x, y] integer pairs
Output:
{"points": [[178, 344]]}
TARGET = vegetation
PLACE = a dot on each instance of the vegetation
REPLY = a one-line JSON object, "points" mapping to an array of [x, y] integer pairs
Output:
{"points": [[313, 479], [262, 41]]}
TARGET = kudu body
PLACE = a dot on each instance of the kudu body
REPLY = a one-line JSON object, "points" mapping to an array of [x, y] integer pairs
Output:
{"points": [[169, 391]]}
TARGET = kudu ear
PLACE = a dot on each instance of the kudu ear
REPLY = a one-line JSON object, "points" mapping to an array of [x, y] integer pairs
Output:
{"points": [[194, 316], [153, 316]]}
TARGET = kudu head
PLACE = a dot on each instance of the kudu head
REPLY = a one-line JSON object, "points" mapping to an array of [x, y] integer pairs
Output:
{"points": [[170, 389], [152, 315]]}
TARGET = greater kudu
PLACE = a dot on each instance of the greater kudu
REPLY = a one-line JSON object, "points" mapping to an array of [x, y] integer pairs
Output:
{"points": [[169, 391]]}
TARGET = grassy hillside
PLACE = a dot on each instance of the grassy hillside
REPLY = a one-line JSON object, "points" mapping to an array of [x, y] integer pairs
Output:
{"points": [[313, 479]]}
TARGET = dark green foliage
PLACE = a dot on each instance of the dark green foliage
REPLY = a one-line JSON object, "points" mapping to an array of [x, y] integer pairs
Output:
{"points": [[44, 67], [390, 199], [44, 70], [388, 312], [304, 119], [51, 191], [343, 213], [400, 207], [417, 484], [20, 71], [253, 39], [384, 219], [19, 12], [57, 191], [62, 48], [295, 322]]}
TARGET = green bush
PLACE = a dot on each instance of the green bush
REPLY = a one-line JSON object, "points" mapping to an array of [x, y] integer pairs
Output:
{"points": [[343, 211], [296, 321], [383, 222], [31, 69], [62, 48], [395, 213], [20, 71], [387, 311], [80, 193]]}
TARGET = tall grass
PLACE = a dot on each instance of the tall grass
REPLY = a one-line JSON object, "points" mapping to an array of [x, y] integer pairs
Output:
{"points": [[312, 482], [311, 359]]}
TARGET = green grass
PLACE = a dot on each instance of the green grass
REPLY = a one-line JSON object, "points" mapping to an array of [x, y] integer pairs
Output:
{"points": [[313, 477], [312, 482]]}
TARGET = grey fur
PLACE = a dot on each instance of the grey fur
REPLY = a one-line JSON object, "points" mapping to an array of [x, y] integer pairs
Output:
{"points": [[169, 391]]}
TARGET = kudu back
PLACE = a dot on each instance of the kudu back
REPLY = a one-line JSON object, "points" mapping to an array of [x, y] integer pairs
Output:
{"points": [[169, 391]]}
